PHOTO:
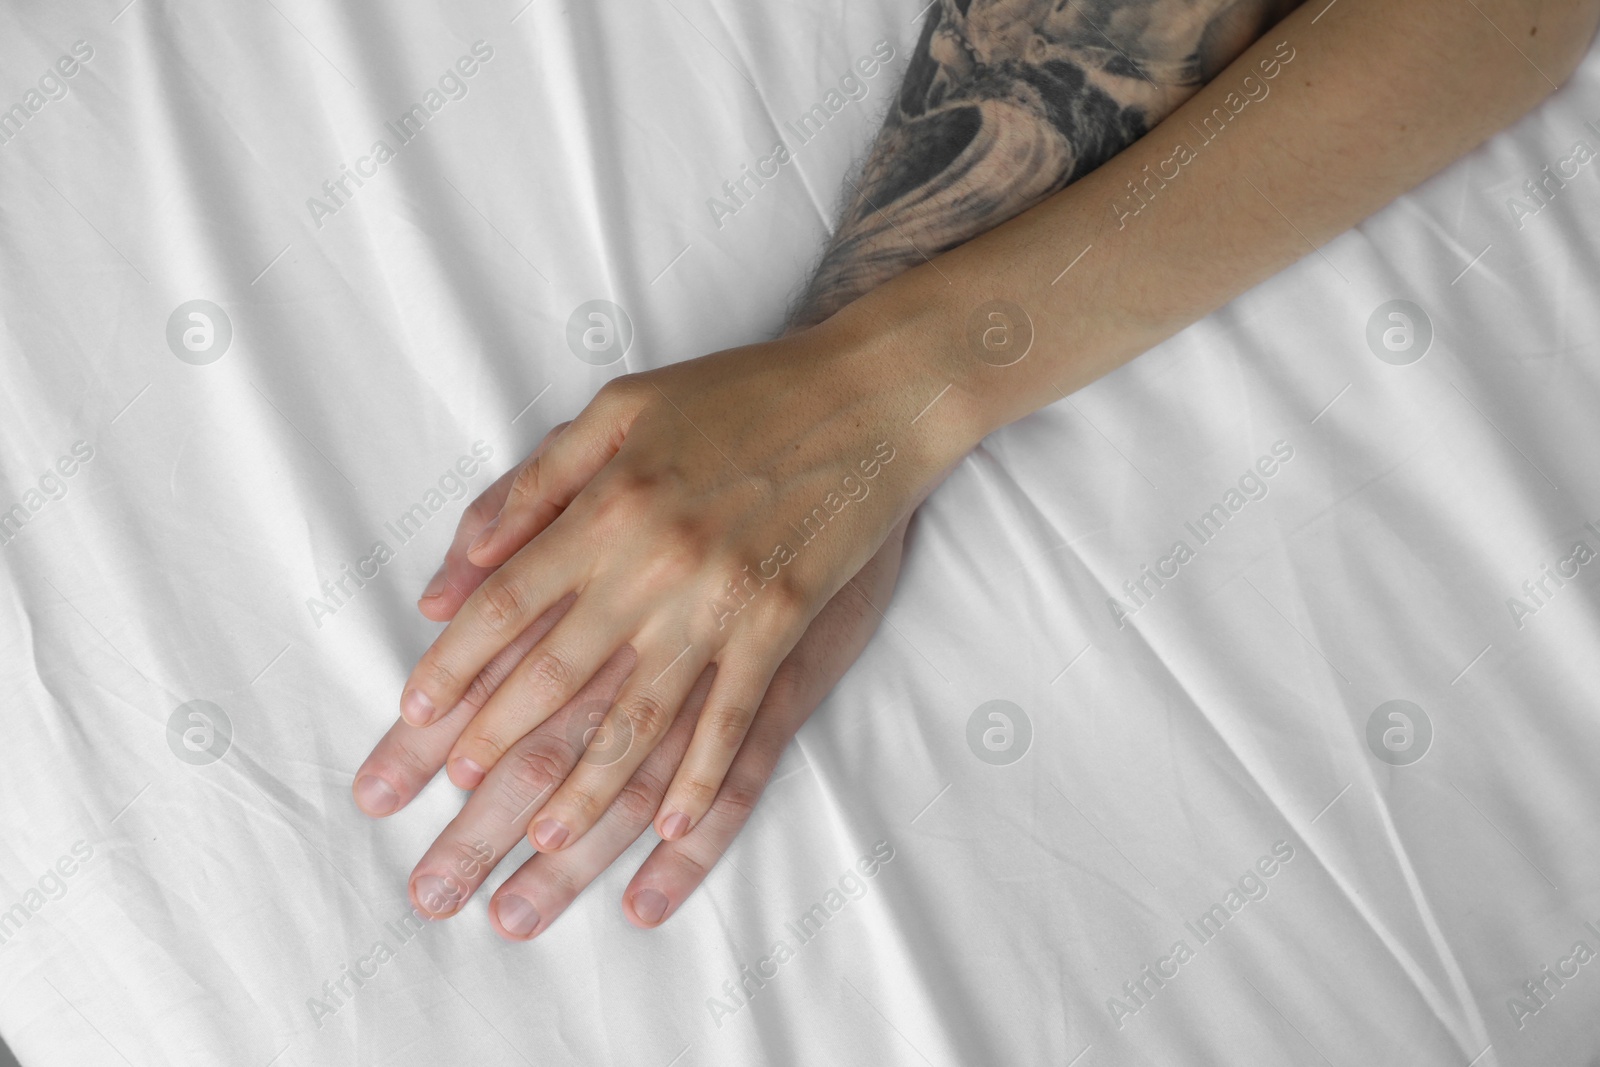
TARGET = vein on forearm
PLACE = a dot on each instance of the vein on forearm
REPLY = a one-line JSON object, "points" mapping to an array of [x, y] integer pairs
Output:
{"points": [[1004, 103]]}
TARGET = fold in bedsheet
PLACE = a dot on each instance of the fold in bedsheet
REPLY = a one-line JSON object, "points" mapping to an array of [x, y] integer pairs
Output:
{"points": [[1238, 709]]}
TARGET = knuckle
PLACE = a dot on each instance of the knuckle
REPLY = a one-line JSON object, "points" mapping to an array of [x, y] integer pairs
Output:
{"points": [[525, 486], [785, 687], [467, 859], [682, 529], [486, 744], [726, 729], [736, 800], [550, 673], [692, 865], [622, 387], [538, 768], [562, 881], [782, 610], [418, 762], [442, 677], [482, 688], [585, 805], [640, 798], [621, 502], [399, 758], [500, 605], [646, 714], [674, 563], [698, 792]]}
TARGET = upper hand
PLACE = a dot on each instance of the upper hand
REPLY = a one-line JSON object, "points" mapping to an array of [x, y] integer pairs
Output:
{"points": [[701, 513], [498, 811]]}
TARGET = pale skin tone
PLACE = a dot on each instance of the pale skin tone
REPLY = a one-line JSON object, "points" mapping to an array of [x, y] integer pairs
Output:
{"points": [[630, 523]]}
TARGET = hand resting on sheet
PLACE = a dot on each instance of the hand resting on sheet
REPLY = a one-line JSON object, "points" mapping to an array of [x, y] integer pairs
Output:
{"points": [[497, 814]]}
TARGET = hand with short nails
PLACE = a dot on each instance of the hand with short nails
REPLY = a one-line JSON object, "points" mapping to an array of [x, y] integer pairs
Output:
{"points": [[506, 799], [701, 515]]}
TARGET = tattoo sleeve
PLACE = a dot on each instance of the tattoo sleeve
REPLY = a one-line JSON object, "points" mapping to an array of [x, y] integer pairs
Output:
{"points": [[1004, 103]]}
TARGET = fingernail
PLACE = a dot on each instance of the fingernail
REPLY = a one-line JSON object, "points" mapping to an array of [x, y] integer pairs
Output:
{"points": [[675, 826], [517, 916], [485, 535], [466, 773], [649, 905], [375, 796], [549, 835], [435, 586], [435, 895], [416, 708]]}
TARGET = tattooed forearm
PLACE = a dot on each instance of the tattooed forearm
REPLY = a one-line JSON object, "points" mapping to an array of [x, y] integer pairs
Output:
{"points": [[1004, 103]]}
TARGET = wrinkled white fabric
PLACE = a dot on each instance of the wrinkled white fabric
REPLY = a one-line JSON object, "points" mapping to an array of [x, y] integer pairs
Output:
{"points": [[188, 512]]}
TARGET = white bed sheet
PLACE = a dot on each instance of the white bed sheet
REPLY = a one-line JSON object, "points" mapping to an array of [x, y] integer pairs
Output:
{"points": [[374, 345]]}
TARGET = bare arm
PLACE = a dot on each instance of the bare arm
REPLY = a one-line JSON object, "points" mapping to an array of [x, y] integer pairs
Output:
{"points": [[1310, 130]]}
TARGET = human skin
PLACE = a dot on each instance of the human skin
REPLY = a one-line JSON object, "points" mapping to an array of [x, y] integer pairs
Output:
{"points": [[673, 481], [1006, 102]]}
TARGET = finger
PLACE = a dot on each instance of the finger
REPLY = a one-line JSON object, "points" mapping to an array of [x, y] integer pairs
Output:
{"points": [[549, 481], [644, 709], [457, 576], [549, 676], [496, 816], [742, 680], [676, 868], [408, 757], [533, 897], [498, 610], [830, 644]]}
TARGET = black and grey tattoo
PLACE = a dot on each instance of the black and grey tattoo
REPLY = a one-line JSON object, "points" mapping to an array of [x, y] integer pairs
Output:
{"points": [[1004, 103]]}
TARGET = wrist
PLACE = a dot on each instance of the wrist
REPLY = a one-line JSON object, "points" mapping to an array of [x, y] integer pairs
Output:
{"points": [[903, 344]]}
